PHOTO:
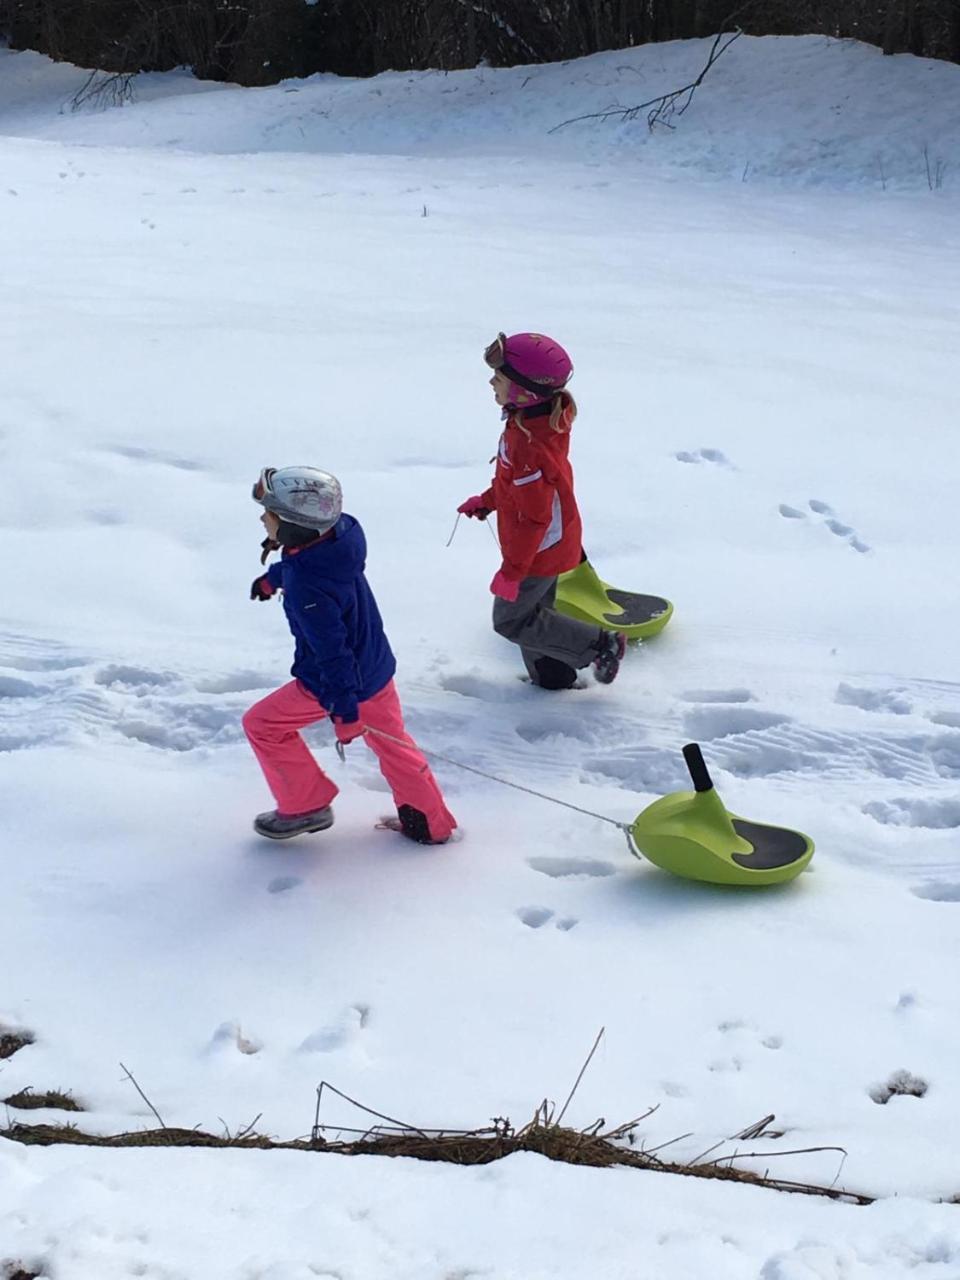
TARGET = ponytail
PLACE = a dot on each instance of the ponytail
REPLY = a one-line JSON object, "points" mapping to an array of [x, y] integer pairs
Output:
{"points": [[563, 410]]}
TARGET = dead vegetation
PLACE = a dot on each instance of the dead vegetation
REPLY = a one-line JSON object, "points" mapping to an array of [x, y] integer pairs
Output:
{"points": [[596, 1146], [51, 1099], [12, 1042]]}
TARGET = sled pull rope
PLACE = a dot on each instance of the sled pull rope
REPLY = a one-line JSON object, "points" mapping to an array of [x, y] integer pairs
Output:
{"points": [[492, 777], [456, 525]]}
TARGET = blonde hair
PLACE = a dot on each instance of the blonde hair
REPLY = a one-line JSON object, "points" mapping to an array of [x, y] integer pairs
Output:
{"points": [[563, 410]]}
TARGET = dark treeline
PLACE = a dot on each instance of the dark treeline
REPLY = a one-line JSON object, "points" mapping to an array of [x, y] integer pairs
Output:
{"points": [[262, 41]]}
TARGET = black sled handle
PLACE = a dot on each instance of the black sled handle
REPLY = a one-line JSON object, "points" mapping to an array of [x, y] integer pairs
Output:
{"points": [[697, 768]]}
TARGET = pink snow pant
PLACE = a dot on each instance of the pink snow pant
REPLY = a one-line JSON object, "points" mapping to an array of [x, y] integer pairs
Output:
{"points": [[300, 785]]}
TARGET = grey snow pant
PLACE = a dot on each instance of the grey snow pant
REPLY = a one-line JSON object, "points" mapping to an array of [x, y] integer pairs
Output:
{"points": [[554, 647]]}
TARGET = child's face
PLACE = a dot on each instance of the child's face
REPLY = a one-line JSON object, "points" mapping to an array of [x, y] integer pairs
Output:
{"points": [[271, 523], [501, 389]]}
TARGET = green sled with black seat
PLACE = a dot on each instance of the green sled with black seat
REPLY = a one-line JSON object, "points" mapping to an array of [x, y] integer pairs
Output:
{"points": [[691, 834], [583, 594]]}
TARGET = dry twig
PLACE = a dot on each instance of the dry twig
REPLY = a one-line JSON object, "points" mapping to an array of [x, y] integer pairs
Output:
{"points": [[143, 1095], [662, 109], [583, 1069]]}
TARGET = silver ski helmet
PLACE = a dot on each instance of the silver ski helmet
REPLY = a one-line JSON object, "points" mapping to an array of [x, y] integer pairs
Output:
{"points": [[305, 496]]}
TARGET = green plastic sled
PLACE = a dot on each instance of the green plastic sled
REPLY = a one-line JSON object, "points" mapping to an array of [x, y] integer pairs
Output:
{"points": [[582, 594], [691, 834]]}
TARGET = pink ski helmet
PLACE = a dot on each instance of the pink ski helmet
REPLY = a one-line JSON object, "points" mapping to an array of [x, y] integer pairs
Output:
{"points": [[537, 366]]}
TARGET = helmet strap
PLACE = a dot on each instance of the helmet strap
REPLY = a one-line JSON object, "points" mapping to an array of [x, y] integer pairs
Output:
{"points": [[528, 384], [296, 535]]}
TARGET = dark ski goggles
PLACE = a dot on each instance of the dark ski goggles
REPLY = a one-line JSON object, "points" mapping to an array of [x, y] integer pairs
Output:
{"points": [[496, 357], [261, 488]]}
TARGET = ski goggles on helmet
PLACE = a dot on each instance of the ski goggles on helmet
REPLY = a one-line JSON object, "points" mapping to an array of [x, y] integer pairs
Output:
{"points": [[261, 488], [496, 357]]}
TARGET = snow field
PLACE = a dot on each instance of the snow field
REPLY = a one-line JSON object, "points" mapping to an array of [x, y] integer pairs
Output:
{"points": [[766, 436]]}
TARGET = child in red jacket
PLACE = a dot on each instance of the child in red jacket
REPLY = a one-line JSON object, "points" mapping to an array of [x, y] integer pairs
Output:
{"points": [[537, 517]]}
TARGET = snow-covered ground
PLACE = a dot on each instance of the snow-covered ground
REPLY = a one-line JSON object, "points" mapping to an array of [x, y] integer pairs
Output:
{"points": [[211, 280]]}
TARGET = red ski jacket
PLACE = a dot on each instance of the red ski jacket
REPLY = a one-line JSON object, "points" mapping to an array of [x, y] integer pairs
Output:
{"points": [[532, 494]]}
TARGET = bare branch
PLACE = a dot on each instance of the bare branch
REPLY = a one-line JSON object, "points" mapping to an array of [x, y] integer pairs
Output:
{"points": [[576, 1083], [130, 1077], [661, 109], [325, 1084]]}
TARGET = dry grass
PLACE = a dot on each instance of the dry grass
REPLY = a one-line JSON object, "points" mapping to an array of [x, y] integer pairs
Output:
{"points": [[53, 1099], [596, 1146], [585, 1147], [12, 1042]]}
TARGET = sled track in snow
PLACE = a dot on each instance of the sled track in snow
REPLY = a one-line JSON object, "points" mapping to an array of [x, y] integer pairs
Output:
{"points": [[899, 740]]}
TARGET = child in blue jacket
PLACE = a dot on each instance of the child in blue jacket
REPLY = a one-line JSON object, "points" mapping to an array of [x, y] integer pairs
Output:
{"points": [[343, 666]]}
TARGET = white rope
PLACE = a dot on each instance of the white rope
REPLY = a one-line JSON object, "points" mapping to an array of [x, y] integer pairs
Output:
{"points": [[456, 525], [492, 777]]}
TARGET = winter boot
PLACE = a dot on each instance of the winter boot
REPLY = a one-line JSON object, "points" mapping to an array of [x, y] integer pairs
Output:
{"points": [[277, 826], [610, 650], [410, 822], [554, 674]]}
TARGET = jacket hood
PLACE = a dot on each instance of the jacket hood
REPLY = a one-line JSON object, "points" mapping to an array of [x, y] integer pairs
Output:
{"points": [[341, 557]]}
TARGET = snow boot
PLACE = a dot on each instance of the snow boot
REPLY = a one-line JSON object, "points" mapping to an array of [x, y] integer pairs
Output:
{"points": [[554, 674], [610, 650], [410, 822], [277, 826]]}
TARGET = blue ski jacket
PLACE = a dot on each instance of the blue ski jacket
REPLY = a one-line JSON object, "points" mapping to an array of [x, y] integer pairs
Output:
{"points": [[342, 654]]}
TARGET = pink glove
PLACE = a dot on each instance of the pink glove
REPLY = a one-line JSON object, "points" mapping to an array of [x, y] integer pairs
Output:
{"points": [[474, 507], [347, 732], [504, 587]]}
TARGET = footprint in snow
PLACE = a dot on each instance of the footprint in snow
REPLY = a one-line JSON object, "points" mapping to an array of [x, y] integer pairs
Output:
{"points": [[725, 1064], [561, 868], [741, 1030], [934, 815], [894, 700], [639, 768], [229, 1036], [339, 1034], [475, 686], [950, 719], [136, 453], [717, 695], [938, 891], [106, 517], [280, 884], [699, 456], [13, 688], [236, 682], [573, 727], [706, 723], [537, 917], [902, 1084], [674, 1090], [137, 680], [836, 526]]}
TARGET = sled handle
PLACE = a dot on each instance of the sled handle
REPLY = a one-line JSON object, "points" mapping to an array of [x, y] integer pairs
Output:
{"points": [[697, 768]]}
